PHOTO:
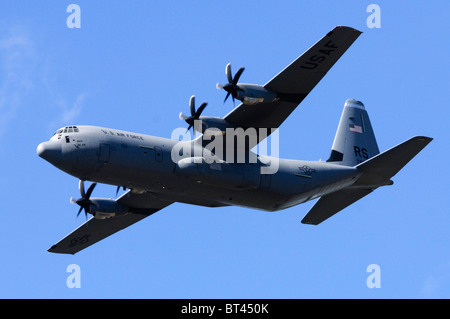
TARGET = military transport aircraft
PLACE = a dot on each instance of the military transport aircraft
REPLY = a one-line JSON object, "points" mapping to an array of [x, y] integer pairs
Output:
{"points": [[158, 172]]}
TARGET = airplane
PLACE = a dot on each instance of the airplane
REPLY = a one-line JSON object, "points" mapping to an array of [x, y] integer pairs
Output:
{"points": [[156, 171]]}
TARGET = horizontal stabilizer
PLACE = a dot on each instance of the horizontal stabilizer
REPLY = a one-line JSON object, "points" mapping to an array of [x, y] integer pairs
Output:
{"points": [[333, 203], [380, 168], [376, 172]]}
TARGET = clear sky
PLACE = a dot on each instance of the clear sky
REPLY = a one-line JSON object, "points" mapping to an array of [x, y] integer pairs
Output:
{"points": [[133, 66]]}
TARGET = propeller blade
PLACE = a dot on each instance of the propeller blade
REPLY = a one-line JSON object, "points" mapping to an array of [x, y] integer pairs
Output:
{"points": [[192, 105], [226, 97], [81, 208], [238, 75], [81, 187], [90, 189], [118, 188], [228, 73], [200, 110]]}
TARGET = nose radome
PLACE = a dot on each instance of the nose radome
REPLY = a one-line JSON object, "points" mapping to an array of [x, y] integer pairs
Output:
{"points": [[50, 151]]}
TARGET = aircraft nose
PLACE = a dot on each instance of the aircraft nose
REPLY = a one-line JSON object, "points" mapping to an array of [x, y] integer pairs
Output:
{"points": [[50, 151]]}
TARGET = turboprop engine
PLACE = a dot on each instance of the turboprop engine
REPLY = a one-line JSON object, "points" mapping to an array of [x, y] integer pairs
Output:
{"points": [[249, 94], [100, 208]]}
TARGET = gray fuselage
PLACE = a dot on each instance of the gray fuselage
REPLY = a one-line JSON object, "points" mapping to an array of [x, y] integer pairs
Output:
{"points": [[146, 163]]}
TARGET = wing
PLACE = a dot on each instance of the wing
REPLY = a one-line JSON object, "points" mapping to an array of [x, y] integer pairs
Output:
{"points": [[94, 230], [295, 82]]}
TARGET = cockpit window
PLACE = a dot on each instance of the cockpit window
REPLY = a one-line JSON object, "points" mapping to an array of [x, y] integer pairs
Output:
{"points": [[67, 129]]}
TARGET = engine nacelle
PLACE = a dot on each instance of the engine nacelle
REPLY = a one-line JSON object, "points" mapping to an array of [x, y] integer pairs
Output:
{"points": [[102, 208], [252, 94], [210, 122], [203, 171]]}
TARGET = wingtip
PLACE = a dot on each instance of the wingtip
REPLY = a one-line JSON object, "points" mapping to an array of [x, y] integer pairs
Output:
{"points": [[424, 138], [345, 28], [348, 28], [309, 223], [52, 249]]}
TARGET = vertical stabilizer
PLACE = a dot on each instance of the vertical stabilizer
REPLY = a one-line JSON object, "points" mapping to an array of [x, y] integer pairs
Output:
{"points": [[354, 141]]}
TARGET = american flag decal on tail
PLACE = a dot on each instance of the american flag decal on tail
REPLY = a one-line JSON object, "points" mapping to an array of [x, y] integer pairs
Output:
{"points": [[355, 128]]}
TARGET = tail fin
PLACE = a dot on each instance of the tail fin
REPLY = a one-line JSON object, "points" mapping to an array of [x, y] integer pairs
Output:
{"points": [[354, 141]]}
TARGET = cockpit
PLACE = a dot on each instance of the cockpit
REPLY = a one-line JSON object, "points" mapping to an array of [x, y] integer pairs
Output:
{"points": [[65, 130]]}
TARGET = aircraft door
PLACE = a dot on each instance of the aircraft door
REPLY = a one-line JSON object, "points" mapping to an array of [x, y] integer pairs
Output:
{"points": [[103, 153]]}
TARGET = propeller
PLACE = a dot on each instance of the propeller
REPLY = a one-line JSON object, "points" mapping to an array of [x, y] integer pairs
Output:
{"points": [[231, 87], [84, 201], [195, 114], [118, 188]]}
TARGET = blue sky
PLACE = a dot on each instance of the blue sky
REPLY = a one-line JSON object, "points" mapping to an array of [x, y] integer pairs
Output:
{"points": [[134, 65]]}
